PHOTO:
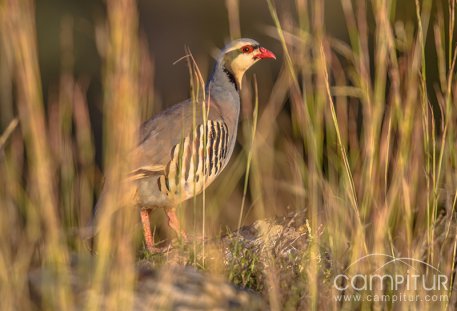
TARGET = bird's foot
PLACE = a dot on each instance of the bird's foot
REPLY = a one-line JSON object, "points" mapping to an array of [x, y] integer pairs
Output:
{"points": [[183, 235], [154, 250], [157, 250], [174, 224]]}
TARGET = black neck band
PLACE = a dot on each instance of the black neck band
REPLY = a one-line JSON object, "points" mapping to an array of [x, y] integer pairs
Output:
{"points": [[231, 77]]}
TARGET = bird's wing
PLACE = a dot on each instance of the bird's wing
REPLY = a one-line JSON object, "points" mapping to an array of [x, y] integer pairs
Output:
{"points": [[161, 133]]}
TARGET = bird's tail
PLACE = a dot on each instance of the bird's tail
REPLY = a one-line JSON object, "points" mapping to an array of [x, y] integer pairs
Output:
{"points": [[93, 226]]}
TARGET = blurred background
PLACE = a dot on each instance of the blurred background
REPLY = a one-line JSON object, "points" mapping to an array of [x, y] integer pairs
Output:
{"points": [[68, 29], [356, 132], [166, 28]]}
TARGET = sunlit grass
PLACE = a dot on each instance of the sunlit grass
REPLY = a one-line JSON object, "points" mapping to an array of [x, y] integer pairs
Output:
{"points": [[354, 143]]}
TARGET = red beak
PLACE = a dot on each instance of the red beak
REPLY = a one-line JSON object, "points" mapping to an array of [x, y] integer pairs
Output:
{"points": [[264, 53]]}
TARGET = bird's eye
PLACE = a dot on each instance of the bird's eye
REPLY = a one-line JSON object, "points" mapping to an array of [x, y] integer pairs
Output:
{"points": [[247, 49]]}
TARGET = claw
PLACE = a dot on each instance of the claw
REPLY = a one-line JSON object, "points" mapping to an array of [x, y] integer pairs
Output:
{"points": [[173, 222]]}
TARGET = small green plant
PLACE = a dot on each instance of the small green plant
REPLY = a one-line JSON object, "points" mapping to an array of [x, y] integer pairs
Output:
{"points": [[355, 137]]}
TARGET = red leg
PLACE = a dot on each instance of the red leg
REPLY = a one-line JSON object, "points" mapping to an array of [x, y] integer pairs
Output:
{"points": [[148, 236], [174, 223]]}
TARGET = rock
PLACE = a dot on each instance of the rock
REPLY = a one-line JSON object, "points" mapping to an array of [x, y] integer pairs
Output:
{"points": [[164, 288]]}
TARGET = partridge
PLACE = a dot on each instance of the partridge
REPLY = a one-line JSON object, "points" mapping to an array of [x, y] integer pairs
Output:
{"points": [[184, 148]]}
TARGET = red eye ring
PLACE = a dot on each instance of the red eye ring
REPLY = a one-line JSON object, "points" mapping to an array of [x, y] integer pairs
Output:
{"points": [[247, 49]]}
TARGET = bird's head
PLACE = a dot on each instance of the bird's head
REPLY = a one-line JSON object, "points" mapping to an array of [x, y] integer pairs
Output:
{"points": [[239, 55]]}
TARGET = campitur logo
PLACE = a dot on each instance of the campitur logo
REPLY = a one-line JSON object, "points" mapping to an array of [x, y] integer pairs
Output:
{"points": [[414, 280]]}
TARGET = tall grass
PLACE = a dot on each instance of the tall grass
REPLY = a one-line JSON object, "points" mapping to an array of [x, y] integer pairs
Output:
{"points": [[354, 134], [386, 193], [117, 213], [43, 234]]}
